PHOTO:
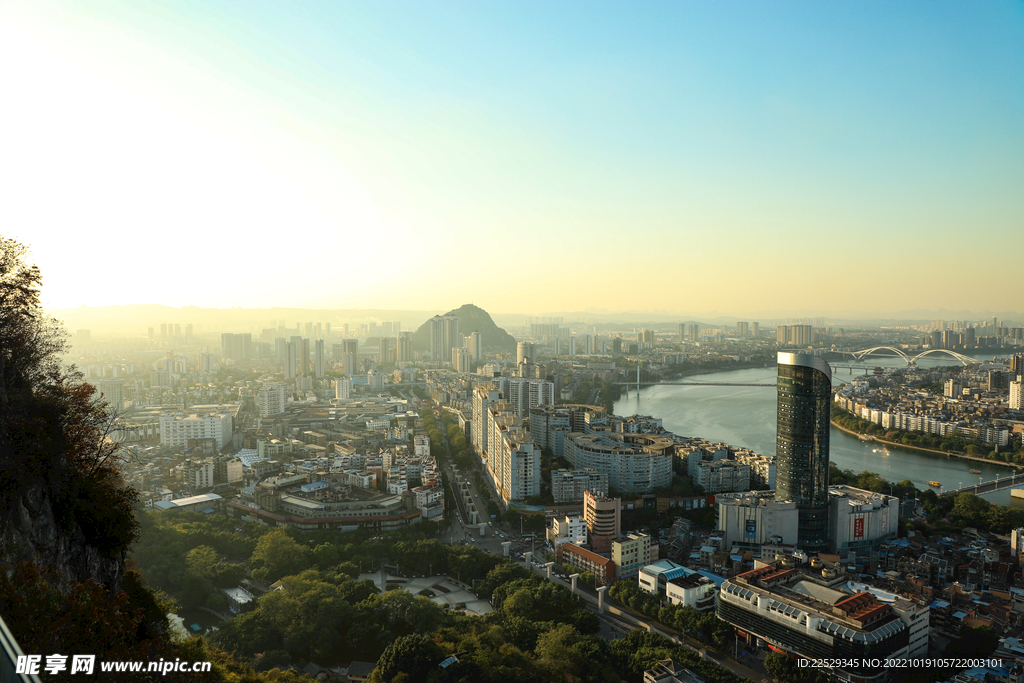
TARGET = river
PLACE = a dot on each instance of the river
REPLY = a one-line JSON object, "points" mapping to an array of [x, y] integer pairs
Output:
{"points": [[745, 416]]}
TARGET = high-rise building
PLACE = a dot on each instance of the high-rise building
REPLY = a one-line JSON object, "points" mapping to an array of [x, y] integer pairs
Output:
{"points": [[303, 356], [1017, 395], [236, 346], [802, 442], [476, 346], [441, 329], [343, 387], [111, 391], [483, 396], [350, 355], [797, 335], [693, 332], [604, 520], [742, 329], [319, 358], [404, 350], [525, 351], [271, 398], [755, 329], [291, 359], [388, 350], [461, 360]]}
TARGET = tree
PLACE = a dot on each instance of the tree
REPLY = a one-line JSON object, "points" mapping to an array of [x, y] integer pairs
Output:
{"points": [[277, 555], [414, 655]]}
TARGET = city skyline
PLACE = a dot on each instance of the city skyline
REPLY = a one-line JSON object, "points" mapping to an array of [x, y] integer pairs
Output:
{"points": [[395, 156]]}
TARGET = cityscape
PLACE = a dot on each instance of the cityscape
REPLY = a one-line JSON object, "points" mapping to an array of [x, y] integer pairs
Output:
{"points": [[434, 343]]}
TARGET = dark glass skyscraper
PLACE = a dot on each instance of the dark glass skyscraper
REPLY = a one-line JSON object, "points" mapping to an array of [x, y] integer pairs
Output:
{"points": [[801, 451]]}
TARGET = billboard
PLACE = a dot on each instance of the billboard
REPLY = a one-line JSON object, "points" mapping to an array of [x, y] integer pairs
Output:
{"points": [[858, 527], [751, 531]]}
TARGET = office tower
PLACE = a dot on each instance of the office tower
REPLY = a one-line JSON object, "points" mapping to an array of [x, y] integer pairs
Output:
{"points": [[350, 355], [404, 347], [319, 358], [525, 351], [742, 329], [755, 329], [801, 475]]}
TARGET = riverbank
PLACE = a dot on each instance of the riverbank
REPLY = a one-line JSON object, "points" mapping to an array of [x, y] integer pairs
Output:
{"points": [[894, 444]]}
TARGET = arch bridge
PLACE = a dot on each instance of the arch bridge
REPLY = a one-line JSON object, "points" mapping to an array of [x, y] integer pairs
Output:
{"points": [[912, 360]]}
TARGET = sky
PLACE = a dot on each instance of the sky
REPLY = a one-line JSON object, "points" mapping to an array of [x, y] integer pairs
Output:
{"points": [[723, 158]]}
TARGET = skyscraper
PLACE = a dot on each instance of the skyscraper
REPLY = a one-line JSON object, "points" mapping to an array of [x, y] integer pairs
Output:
{"points": [[801, 455]]}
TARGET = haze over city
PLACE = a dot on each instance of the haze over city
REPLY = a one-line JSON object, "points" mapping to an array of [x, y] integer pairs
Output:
{"points": [[701, 159]]}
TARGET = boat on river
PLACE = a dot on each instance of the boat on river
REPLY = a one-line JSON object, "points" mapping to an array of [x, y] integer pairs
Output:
{"points": [[975, 471], [935, 483]]}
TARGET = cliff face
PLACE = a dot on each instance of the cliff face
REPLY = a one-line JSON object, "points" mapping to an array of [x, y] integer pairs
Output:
{"points": [[32, 533]]}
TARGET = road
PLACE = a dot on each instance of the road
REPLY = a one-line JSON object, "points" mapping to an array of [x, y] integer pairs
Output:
{"points": [[619, 618]]}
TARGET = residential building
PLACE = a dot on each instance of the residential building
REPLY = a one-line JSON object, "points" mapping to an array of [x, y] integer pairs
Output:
{"points": [[568, 486], [634, 463], [630, 554], [177, 428], [272, 398], [567, 530]]}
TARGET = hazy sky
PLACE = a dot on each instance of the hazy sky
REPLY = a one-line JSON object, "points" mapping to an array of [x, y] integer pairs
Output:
{"points": [[687, 156]]}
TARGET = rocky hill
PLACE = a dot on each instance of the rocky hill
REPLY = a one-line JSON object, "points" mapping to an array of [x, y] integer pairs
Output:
{"points": [[471, 319]]}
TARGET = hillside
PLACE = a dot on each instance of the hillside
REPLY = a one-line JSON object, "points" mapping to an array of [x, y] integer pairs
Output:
{"points": [[471, 319]]}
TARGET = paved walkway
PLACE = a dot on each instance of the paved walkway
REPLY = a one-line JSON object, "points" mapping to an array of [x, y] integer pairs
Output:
{"points": [[457, 592]]}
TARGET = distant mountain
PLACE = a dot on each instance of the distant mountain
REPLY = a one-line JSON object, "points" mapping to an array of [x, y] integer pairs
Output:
{"points": [[471, 319]]}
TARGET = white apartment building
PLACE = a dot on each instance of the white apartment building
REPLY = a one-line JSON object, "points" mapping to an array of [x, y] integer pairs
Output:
{"points": [[1016, 395], [199, 474], [522, 393], [177, 428], [272, 398], [567, 530]]}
